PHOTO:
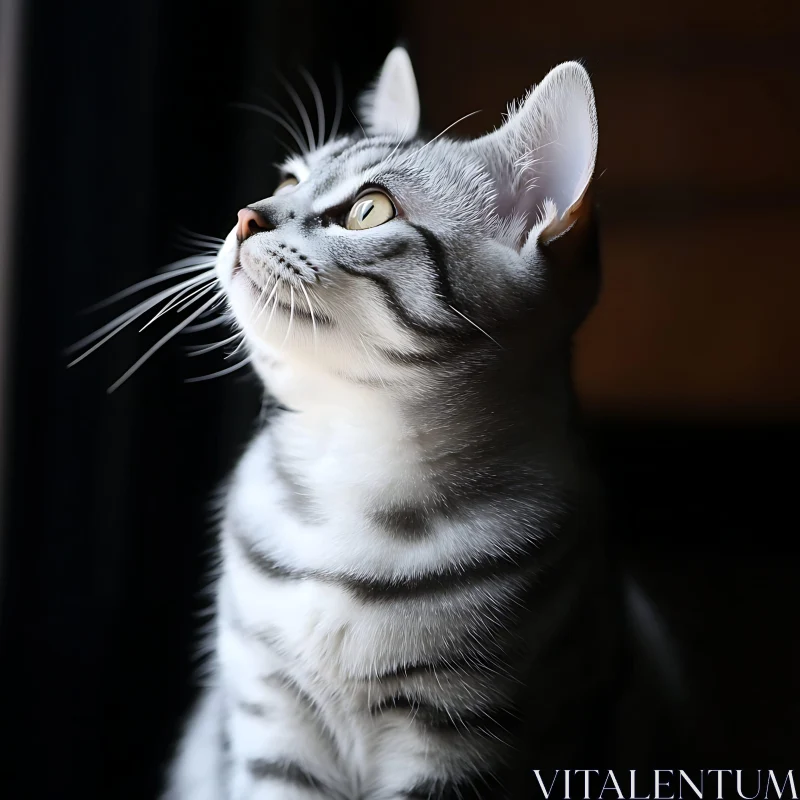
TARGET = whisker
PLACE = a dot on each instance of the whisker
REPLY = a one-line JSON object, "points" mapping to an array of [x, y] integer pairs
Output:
{"points": [[358, 121], [273, 116], [302, 109], [312, 84], [198, 259], [204, 326], [402, 140], [464, 316], [144, 284], [311, 311], [200, 236], [238, 346], [441, 133], [337, 117], [123, 320], [273, 277], [162, 341], [191, 247], [199, 293], [274, 306], [203, 349], [191, 290], [284, 113], [266, 302], [222, 372], [291, 316]]}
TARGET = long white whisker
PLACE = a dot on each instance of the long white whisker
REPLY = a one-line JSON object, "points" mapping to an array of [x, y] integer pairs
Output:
{"points": [[303, 113], [201, 236], [337, 117], [199, 293], [266, 302], [163, 340], [237, 348], [402, 140], [204, 326], [198, 260], [272, 310], [241, 364], [358, 121], [145, 283], [206, 251], [464, 316], [273, 116], [273, 278], [286, 116], [291, 316], [191, 291], [209, 347], [312, 84], [311, 311], [441, 133], [123, 320]]}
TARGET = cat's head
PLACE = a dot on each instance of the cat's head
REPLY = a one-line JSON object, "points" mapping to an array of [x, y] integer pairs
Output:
{"points": [[381, 251]]}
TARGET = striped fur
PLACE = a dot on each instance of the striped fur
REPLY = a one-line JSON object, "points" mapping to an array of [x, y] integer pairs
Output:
{"points": [[411, 599]]}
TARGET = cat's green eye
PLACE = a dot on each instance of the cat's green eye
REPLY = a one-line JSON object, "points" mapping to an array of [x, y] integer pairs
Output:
{"points": [[286, 184], [373, 208]]}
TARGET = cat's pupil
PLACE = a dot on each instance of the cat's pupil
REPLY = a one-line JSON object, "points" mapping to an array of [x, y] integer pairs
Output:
{"points": [[367, 209]]}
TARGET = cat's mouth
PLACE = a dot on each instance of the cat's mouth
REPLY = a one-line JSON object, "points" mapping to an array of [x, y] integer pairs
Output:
{"points": [[298, 309]]}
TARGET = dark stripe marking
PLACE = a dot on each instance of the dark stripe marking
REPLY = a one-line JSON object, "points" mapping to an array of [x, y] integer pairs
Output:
{"points": [[438, 259], [284, 682], [477, 661], [288, 772], [408, 587], [301, 311], [404, 523], [252, 709], [462, 789], [392, 300], [296, 497], [492, 723], [263, 563]]}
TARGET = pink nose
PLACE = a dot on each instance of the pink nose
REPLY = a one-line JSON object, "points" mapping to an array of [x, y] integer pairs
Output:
{"points": [[251, 222]]}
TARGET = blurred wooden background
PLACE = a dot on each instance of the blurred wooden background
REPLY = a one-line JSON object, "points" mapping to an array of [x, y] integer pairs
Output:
{"points": [[698, 184]]}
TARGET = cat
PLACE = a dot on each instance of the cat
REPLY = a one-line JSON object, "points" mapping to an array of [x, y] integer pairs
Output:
{"points": [[413, 600]]}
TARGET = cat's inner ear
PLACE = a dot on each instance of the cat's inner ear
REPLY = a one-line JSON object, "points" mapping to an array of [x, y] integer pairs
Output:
{"points": [[542, 158], [391, 106]]}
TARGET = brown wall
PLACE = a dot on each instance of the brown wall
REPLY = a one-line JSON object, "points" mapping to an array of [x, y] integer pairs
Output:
{"points": [[698, 183]]}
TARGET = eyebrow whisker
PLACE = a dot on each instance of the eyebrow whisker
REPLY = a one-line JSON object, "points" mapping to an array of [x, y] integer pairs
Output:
{"points": [[302, 110], [337, 117], [320, 106]]}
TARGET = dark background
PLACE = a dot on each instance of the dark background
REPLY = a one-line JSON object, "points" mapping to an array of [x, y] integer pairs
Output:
{"points": [[687, 369]]}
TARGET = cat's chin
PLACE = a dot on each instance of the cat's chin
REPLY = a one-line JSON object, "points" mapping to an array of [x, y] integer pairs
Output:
{"points": [[241, 280]]}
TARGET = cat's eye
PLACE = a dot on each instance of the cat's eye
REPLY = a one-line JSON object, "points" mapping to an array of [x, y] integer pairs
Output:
{"points": [[285, 184], [373, 208]]}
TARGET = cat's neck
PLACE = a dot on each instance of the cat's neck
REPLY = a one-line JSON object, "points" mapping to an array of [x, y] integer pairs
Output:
{"points": [[425, 418]]}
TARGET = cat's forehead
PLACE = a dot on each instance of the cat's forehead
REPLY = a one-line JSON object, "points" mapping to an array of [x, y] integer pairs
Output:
{"points": [[335, 172], [346, 158]]}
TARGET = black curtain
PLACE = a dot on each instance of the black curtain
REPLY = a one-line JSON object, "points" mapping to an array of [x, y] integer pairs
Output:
{"points": [[130, 132]]}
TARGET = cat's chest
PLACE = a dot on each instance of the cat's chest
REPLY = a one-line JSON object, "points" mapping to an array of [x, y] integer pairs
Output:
{"points": [[314, 496]]}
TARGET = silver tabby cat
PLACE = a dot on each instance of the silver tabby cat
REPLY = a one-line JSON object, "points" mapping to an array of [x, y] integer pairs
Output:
{"points": [[411, 602]]}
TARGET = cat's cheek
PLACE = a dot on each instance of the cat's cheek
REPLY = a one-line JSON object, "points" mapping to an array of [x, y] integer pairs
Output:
{"points": [[242, 296], [226, 260]]}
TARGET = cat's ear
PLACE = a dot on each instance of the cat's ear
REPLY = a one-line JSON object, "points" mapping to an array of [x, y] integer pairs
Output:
{"points": [[543, 157], [391, 106]]}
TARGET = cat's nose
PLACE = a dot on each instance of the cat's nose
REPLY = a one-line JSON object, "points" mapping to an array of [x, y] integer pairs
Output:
{"points": [[251, 222]]}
